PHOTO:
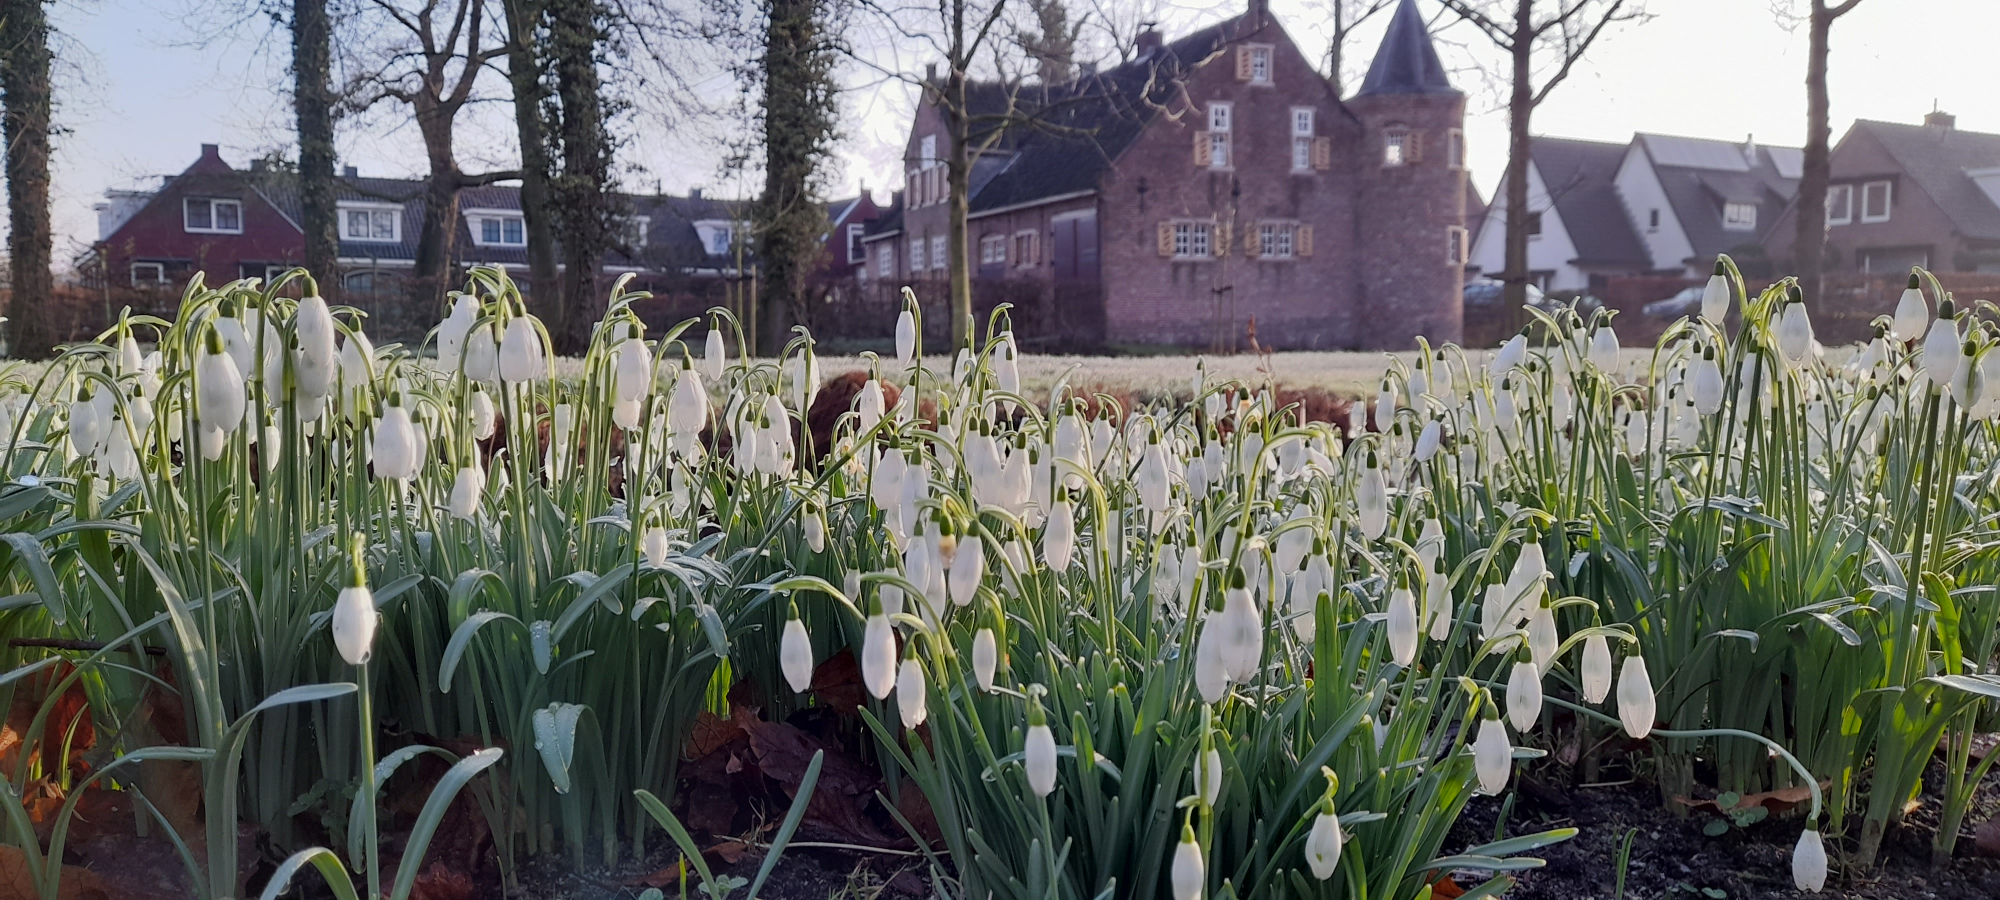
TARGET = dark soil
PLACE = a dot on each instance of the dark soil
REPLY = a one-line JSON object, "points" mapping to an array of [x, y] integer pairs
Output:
{"points": [[803, 874], [1673, 860]]}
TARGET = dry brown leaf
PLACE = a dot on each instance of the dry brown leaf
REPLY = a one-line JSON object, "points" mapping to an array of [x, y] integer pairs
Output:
{"points": [[1777, 801]]}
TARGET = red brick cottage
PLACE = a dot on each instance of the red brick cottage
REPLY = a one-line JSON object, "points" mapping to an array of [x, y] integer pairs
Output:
{"points": [[1212, 181]]}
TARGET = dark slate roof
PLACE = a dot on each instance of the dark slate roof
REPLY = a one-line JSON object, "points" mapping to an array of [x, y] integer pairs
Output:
{"points": [[1089, 120], [889, 221], [1699, 176], [1580, 177], [1936, 159], [1407, 62]]}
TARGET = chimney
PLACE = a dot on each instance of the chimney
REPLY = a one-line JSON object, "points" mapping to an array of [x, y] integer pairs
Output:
{"points": [[1940, 119], [1149, 41], [211, 151], [694, 193], [930, 72], [1750, 149], [1260, 13], [350, 172]]}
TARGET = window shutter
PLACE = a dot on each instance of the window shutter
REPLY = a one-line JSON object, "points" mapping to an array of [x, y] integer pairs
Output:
{"points": [[1242, 62], [1253, 245], [1166, 238], [1322, 153], [1302, 240], [1413, 147], [1220, 240], [1203, 153]]}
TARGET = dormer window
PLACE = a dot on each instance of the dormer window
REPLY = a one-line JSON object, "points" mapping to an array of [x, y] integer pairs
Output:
{"points": [[716, 235], [497, 227], [1739, 216], [927, 150], [211, 215], [373, 223], [1875, 200]]}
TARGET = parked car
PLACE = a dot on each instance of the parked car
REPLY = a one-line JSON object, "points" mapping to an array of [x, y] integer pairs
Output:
{"points": [[1487, 292], [1685, 303]]}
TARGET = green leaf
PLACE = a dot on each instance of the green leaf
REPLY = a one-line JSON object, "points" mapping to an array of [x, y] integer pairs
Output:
{"points": [[791, 824], [461, 638], [433, 813], [328, 864], [36, 559], [555, 738]]}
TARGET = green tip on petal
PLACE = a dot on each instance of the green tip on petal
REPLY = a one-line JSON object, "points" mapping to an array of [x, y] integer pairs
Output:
{"points": [[1914, 283]]}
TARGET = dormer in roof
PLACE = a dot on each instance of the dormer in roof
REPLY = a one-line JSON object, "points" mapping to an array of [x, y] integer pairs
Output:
{"points": [[1407, 62]]}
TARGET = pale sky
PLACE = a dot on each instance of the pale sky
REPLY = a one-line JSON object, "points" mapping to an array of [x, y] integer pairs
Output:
{"points": [[138, 92]]}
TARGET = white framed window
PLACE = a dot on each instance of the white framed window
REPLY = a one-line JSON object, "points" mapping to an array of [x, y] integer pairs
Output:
{"points": [[1739, 216], [910, 187], [1192, 240], [1260, 64], [374, 223], [855, 252], [497, 227], [939, 258], [916, 254], [1839, 204], [1457, 240], [992, 249], [149, 274], [1219, 116], [1302, 138], [885, 259], [1876, 198], [927, 150], [1395, 147], [211, 215], [717, 236], [1302, 121], [1275, 240], [1218, 150], [633, 230], [1454, 148], [1024, 247]]}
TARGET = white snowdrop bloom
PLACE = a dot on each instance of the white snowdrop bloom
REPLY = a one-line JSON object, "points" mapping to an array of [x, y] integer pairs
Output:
{"points": [[394, 447], [235, 340], [1636, 709], [1705, 383], [1418, 385], [1059, 537], [357, 368], [714, 354], [88, 426], [466, 489], [218, 389], [1604, 349], [522, 356], [1505, 414], [1241, 634], [870, 405], [1715, 298], [910, 693], [804, 373], [985, 658], [687, 408], [1941, 348], [1596, 669], [1438, 611], [1525, 585], [1371, 497], [1152, 478], [968, 568], [1524, 695], [1965, 385], [906, 338], [354, 621], [1511, 354], [1404, 636], [1006, 371], [1809, 861], [1211, 678], [878, 657], [1429, 440], [453, 331], [1208, 776], [1912, 314], [815, 531], [1189, 873], [130, 360], [1039, 758], [213, 441], [632, 375], [653, 545], [482, 356], [1492, 756], [1323, 845], [485, 419], [795, 656], [1385, 408], [1795, 333], [1542, 638], [314, 356]]}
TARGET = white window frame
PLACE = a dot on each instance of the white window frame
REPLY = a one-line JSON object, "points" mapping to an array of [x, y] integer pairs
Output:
{"points": [[1457, 245], [707, 228], [927, 150], [476, 219], [856, 253], [1026, 243], [1454, 148], [1845, 213], [1265, 55], [395, 211], [992, 249], [885, 259], [1302, 138], [1194, 239], [1395, 147], [1220, 114], [158, 279], [1218, 150], [916, 254], [1277, 240], [939, 258], [214, 204], [1888, 200], [641, 224], [1739, 216]]}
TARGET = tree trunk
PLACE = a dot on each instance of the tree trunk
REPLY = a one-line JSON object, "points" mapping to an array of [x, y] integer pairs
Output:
{"points": [[312, 101], [796, 124], [1809, 241], [24, 122], [431, 276], [958, 175], [582, 208], [1520, 107], [524, 74]]}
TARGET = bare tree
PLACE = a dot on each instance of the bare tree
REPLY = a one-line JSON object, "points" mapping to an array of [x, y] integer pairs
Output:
{"points": [[312, 103], [1553, 34], [1345, 16], [429, 56], [25, 123], [1050, 40], [1809, 244]]}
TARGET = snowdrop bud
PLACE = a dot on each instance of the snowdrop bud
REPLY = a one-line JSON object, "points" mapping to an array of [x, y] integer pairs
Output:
{"points": [[1809, 861], [1941, 347], [521, 355], [1371, 497], [815, 531], [466, 488], [869, 404], [1524, 695], [129, 359], [1715, 296], [482, 356], [906, 337], [1241, 634], [687, 409], [1965, 385], [1385, 407], [218, 388], [213, 442], [1323, 843], [1211, 679], [485, 419], [1604, 349], [453, 330], [1402, 624], [910, 693], [968, 566], [1039, 755], [1428, 440], [985, 658], [1705, 383], [1511, 354], [1596, 668], [1635, 697], [1542, 638], [1492, 755], [878, 656], [1208, 776], [354, 616], [795, 655], [634, 372], [1059, 537], [1189, 872], [1911, 312], [714, 355], [1795, 334], [654, 546], [395, 443]]}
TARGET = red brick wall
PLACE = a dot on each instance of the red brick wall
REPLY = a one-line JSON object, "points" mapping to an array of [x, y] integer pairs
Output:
{"points": [[158, 233], [1410, 287]]}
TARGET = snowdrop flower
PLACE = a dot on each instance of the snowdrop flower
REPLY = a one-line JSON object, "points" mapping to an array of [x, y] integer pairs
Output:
{"points": [[357, 368], [1604, 348], [985, 658], [815, 531], [968, 567], [878, 656], [89, 424], [714, 355], [1211, 678], [313, 357], [1152, 478], [1795, 334], [1524, 693], [1402, 624], [1039, 754], [1438, 612], [1941, 346], [1911, 312], [1059, 537], [870, 405], [235, 341], [1809, 861], [805, 379], [1596, 669], [1965, 385], [687, 409], [453, 331], [1492, 755], [130, 360], [1542, 638], [1511, 354], [1635, 698], [1705, 383], [1208, 776], [653, 545], [1715, 296], [1371, 497], [795, 656], [485, 419], [522, 357], [1241, 634], [394, 447], [1429, 440], [1189, 872], [632, 375], [354, 615], [1006, 372], [906, 337], [466, 488], [482, 356], [910, 693], [1323, 843], [218, 387], [1385, 407]]}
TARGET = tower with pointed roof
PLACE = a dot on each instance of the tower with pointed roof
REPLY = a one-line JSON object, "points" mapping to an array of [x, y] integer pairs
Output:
{"points": [[1410, 184]]}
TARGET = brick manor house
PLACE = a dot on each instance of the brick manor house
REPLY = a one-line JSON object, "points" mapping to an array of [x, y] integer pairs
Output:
{"points": [[1211, 182]]}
